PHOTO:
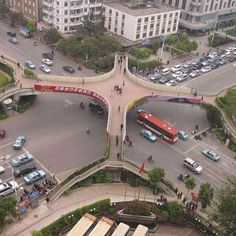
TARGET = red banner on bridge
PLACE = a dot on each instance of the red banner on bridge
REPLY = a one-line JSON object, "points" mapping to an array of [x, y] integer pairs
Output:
{"points": [[66, 89]]}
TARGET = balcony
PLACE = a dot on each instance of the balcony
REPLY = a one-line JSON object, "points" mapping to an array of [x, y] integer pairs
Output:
{"points": [[47, 3], [47, 19], [48, 11], [192, 25], [196, 4]]}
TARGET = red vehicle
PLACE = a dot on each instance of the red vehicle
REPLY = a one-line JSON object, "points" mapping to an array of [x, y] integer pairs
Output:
{"points": [[157, 126], [2, 133]]}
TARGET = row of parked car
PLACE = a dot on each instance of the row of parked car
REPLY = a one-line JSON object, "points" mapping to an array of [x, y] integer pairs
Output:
{"points": [[179, 73]]}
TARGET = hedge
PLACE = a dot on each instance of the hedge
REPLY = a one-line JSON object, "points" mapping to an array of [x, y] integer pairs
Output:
{"points": [[143, 65], [7, 69], [25, 102], [56, 227], [29, 74]]}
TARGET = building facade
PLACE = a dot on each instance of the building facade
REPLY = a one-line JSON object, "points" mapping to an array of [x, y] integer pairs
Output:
{"points": [[141, 22], [31, 9], [67, 15], [203, 14]]}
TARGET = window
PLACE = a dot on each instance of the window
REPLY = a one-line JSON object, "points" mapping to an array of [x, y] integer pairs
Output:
{"points": [[152, 18], [110, 11], [122, 24], [144, 35], [66, 28], [57, 11], [165, 15], [176, 14], [57, 19], [115, 29], [150, 33], [123, 16], [137, 36], [117, 13], [138, 28], [139, 20], [159, 17], [65, 20], [66, 12], [145, 27], [122, 32], [171, 14], [66, 4], [146, 19], [151, 26], [57, 3]]}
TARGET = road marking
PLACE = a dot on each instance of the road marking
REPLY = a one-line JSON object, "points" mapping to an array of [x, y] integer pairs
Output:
{"points": [[3, 141], [8, 144], [190, 149], [68, 102]]}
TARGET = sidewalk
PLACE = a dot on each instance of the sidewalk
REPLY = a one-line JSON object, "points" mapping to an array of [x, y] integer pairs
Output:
{"points": [[45, 214]]}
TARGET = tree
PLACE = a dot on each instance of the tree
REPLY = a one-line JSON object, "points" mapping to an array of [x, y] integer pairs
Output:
{"points": [[190, 184], [52, 36], [7, 209], [93, 24], [155, 175], [225, 207], [18, 17], [4, 10], [205, 195], [32, 27]]}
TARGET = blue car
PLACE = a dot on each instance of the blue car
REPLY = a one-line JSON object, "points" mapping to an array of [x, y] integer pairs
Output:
{"points": [[148, 135], [211, 154], [183, 135], [20, 140], [34, 176], [22, 159]]}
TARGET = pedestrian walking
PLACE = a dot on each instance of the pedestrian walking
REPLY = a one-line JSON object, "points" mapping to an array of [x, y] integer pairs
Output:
{"points": [[47, 200], [123, 83], [130, 143], [124, 71], [119, 108], [21, 86], [118, 62], [120, 67], [18, 64], [121, 127], [117, 140], [118, 156]]}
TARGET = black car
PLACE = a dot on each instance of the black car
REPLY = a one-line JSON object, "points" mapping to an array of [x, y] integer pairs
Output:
{"points": [[69, 69], [12, 34], [24, 169], [47, 55], [214, 66], [96, 107]]}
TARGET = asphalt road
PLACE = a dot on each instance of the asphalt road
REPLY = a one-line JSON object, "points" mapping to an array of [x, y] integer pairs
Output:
{"points": [[55, 130], [25, 50], [170, 157]]}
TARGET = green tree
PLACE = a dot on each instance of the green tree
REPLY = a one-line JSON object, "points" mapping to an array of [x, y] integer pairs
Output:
{"points": [[174, 209], [190, 184], [171, 40], [7, 209], [93, 24], [52, 36], [225, 207], [205, 195], [4, 10], [18, 18], [32, 26], [37, 233], [155, 175]]}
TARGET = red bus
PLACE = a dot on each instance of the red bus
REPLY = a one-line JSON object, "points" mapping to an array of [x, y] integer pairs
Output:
{"points": [[157, 126]]}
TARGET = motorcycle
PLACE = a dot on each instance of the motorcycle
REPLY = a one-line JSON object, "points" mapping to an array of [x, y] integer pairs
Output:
{"points": [[183, 177]]}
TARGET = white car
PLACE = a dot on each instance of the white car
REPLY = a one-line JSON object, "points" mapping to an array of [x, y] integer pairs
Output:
{"points": [[205, 69], [172, 82], [194, 73], [176, 68], [7, 188], [182, 77], [47, 61], [2, 169], [229, 49], [45, 69], [176, 74]]}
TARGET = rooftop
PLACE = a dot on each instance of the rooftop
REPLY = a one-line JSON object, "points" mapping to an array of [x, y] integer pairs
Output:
{"points": [[142, 10]]}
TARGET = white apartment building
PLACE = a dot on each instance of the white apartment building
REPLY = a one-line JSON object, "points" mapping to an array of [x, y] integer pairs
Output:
{"points": [[141, 22], [67, 15], [203, 14]]}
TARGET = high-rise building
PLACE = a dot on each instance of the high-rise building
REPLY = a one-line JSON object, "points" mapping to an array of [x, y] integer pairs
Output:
{"points": [[140, 21], [67, 15], [203, 14]]}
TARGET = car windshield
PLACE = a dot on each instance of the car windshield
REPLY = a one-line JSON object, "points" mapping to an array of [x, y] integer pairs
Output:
{"points": [[18, 141], [195, 165]]}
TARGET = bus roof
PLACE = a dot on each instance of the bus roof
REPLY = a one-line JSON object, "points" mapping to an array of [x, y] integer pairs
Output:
{"points": [[102, 227], [82, 225], [121, 230], [160, 123], [141, 231]]}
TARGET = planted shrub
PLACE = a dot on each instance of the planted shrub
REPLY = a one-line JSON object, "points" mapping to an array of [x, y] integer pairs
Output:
{"points": [[29, 73], [7, 69], [137, 207], [25, 102], [141, 53]]}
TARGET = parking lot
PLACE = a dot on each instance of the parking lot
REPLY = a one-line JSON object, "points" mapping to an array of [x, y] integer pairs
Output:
{"points": [[55, 131], [171, 156], [180, 73]]}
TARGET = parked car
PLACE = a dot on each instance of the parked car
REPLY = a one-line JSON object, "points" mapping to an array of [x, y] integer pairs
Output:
{"points": [[69, 69], [30, 64], [155, 76], [222, 61], [192, 165], [20, 141], [96, 107], [47, 62], [2, 133], [194, 73], [24, 169], [13, 40], [211, 154], [171, 82], [176, 74], [176, 68], [214, 66], [148, 135], [8, 187], [165, 71], [231, 59], [163, 80], [22, 159], [205, 69], [12, 34], [183, 135], [2, 169], [45, 69], [47, 55], [34, 176], [182, 77]]}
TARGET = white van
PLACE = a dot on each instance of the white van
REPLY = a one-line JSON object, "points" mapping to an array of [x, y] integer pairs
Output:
{"points": [[192, 165], [165, 71]]}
